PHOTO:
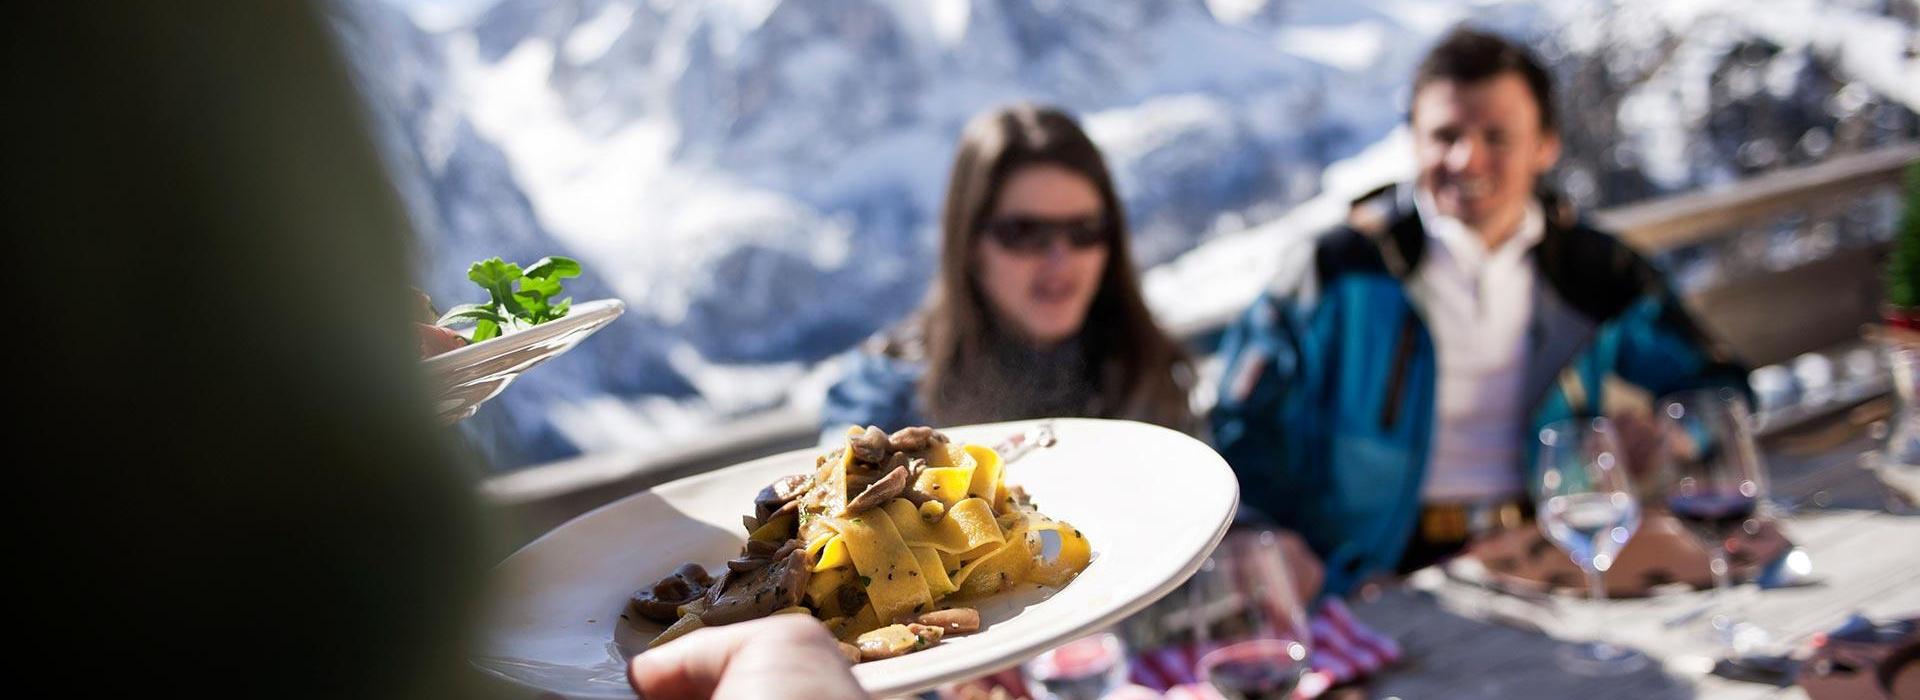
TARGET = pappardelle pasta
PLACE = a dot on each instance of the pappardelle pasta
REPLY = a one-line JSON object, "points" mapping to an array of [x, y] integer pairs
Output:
{"points": [[879, 543]]}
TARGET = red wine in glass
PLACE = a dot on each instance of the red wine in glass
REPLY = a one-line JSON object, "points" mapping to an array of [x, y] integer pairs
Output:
{"points": [[1713, 517], [1260, 669]]}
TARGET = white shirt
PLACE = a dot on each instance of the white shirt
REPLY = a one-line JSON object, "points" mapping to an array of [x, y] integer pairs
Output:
{"points": [[1477, 305]]}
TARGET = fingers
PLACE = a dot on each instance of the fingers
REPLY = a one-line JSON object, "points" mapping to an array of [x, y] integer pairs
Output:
{"points": [[775, 657], [1300, 558], [689, 667], [1641, 441]]}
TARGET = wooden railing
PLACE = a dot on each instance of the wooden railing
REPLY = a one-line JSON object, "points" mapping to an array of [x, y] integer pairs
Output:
{"points": [[1773, 315], [1765, 317], [1696, 217]]}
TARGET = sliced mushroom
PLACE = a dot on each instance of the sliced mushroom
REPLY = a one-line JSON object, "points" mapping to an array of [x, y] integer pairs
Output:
{"points": [[791, 507], [745, 564], [870, 447], [787, 549], [1018, 494], [894, 640], [661, 603], [952, 621], [753, 594], [914, 494], [886, 489], [914, 439], [695, 573], [778, 494], [858, 481]]}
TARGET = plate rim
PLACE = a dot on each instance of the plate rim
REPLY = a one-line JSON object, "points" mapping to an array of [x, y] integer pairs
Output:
{"points": [[1019, 652], [584, 314], [1022, 652]]}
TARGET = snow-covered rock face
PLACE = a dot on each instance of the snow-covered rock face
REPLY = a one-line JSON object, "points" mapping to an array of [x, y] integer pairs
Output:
{"points": [[759, 179], [467, 204]]}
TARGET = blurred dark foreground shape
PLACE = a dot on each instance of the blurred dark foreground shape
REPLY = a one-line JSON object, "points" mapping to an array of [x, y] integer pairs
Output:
{"points": [[231, 483]]}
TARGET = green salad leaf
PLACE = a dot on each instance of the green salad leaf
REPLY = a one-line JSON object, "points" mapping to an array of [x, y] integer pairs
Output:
{"points": [[516, 297]]}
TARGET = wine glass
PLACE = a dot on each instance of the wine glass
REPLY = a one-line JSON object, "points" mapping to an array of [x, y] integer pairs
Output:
{"points": [[1898, 465], [1272, 662], [1255, 669], [1587, 507], [1088, 668], [1715, 485]]}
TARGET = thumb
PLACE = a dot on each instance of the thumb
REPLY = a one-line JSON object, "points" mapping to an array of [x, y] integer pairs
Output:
{"points": [[689, 668]]}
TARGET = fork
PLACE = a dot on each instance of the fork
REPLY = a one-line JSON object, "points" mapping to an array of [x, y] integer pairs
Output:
{"points": [[1020, 444]]}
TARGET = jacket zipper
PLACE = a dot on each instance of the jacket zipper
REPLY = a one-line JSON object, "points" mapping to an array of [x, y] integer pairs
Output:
{"points": [[1402, 363]]}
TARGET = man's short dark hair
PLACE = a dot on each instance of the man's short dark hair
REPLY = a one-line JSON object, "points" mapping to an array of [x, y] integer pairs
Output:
{"points": [[1469, 55]]}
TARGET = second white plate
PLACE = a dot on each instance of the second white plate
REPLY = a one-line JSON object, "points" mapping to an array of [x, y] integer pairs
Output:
{"points": [[466, 377]]}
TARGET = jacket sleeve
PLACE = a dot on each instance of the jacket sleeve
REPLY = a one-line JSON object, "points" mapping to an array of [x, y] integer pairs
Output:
{"points": [[1261, 381], [876, 390], [1660, 348]]}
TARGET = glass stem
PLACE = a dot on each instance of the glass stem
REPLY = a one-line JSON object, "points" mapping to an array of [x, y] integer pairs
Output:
{"points": [[1717, 615], [1597, 598], [1718, 565]]}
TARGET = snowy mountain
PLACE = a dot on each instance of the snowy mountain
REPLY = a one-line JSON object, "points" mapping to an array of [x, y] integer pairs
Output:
{"points": [[759, 178]]}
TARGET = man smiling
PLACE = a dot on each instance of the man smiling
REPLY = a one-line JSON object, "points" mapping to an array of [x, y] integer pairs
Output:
{"points": [[1382, 397]]}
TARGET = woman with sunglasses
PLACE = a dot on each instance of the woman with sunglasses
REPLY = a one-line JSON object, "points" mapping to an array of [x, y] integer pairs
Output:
{"points": [[1036, 310]]}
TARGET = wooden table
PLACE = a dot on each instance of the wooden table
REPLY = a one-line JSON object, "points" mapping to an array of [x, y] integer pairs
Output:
{"points": [[1865, 560]]}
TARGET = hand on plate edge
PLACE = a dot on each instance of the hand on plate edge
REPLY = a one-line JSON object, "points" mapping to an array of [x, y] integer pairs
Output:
{"points": [[774, 657]]}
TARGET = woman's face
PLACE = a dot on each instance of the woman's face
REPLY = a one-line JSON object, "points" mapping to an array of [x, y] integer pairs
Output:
{"points": [[1040, 254]]}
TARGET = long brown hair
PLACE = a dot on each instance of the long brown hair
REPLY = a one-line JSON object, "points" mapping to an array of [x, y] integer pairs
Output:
{"points": [[1138, 369]]}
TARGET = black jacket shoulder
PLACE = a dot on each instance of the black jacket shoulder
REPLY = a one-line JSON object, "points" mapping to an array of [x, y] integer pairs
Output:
{"points": [[1380, 236], [1595, 271]]}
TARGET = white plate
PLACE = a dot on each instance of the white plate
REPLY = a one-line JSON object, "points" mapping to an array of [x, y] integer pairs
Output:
{"points": [[464, 378], [1152, 501]]}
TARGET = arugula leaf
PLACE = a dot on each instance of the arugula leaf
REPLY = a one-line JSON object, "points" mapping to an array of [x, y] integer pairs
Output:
{"points": [[535, 306], [497, 277], [515, 297], [554, 267], [545, 288], [493, 272], [533, 296], [485, 330], [475, 312]]}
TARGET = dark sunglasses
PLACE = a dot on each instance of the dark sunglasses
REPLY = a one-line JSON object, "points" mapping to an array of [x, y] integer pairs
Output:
{"points": [[1029, 235]]}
